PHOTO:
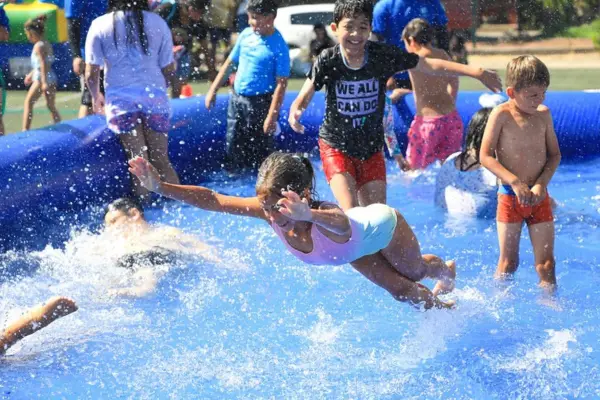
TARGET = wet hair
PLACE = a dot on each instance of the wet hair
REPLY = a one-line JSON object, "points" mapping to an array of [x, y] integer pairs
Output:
{"points": [[37, 25], [526, 71], [474, 136], [419, 30], [124, 204], [286, 171], [133, 25], [263, 7], [351, 9]]}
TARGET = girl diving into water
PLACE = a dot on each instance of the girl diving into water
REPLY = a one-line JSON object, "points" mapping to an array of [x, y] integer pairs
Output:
{"points": [[376, 240]]}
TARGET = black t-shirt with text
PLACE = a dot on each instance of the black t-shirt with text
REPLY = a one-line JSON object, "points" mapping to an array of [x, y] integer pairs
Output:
{"points": [[356, 98]]}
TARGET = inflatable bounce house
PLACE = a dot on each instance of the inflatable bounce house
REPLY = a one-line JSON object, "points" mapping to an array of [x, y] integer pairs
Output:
{"points": [[14, 54], [48, 176]]}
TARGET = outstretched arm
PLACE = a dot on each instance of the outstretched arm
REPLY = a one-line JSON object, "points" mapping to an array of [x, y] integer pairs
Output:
{"points": [[35, 319], [379, 271], [436, 66], [196, 196]]}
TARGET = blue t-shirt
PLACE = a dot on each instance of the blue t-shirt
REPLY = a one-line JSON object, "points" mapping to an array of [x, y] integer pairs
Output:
{"points": [[391, 16], [86, 11], [260, 60]]}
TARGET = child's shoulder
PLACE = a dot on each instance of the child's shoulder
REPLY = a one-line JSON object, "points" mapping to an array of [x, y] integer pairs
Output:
{"points": [[543, 110], [501, 112], [438, 53]]}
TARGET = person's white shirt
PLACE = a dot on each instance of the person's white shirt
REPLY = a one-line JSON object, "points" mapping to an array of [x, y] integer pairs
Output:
{"points": [[466, 193], [126, 65]]}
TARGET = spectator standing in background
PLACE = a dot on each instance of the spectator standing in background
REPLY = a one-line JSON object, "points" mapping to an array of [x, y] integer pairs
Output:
{"points": [[391, 16], [135, 48], [321, 41], [42, 77], [4, 34], [241, 19], [80, 14], [193, 21], [220, 27]]}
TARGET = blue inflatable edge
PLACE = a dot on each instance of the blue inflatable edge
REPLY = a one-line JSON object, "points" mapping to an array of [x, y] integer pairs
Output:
{"points": [[49, 176]]}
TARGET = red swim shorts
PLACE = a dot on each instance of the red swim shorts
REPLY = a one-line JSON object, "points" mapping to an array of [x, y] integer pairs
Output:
{"points": [[510, 211], [336, 162]]}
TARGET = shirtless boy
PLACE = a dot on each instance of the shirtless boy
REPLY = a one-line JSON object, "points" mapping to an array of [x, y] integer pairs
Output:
{"points": [[437, 129], [520, 147]]}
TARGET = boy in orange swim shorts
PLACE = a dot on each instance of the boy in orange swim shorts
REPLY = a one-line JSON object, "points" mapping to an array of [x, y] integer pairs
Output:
{"points": [[520, 147]]}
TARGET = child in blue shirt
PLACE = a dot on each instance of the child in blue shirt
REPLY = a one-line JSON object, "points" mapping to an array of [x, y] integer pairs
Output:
{"points": [[263, 67]]}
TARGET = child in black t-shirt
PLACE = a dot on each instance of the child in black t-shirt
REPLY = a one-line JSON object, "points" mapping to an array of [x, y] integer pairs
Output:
{"points": [[355, 74]]}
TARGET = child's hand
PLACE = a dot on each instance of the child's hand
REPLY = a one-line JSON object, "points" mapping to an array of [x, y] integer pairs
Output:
{"points": [[402, 163], [146, 173], [539, 193], [523, 192], [491, 80], [398, 94], [294, 119], [98, 105], [78, 66], [28, 80], [57, 307], [44, 88], [270, 125], [209, 100], [293, 207]]}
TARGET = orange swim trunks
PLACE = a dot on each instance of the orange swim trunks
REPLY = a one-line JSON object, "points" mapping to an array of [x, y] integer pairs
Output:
{"points": [[511, 211]]}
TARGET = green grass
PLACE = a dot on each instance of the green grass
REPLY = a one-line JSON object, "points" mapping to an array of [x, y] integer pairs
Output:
{"points": [[591, 30], [68, 102]]}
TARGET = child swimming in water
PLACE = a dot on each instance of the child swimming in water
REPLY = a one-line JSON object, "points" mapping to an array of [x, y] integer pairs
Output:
{"points": [[376, 240]]}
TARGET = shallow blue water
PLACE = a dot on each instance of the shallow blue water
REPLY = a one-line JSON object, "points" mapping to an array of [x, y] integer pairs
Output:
{"points": [[263, 325]]}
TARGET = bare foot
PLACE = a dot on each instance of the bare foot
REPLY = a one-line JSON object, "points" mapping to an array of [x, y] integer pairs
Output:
{"points": [[447, 284]]}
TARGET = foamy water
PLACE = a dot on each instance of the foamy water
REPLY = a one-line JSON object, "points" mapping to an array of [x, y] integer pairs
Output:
{"points": [[260, 324]]}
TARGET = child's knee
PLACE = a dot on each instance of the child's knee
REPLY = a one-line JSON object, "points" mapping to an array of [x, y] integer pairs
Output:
{"points": [[546, 270], [508, 265]]}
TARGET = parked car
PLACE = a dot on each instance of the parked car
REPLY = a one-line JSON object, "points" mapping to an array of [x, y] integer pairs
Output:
{"points": [[296, 22]]}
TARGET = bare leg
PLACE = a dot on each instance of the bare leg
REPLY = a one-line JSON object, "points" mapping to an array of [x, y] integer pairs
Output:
{"points": [[33, 95], [509, 236], [84, 111], [379, 271], [51, 103], [176, 85], [344, 190], [134, 144], [372, 193], [158, 153], [35, 319], [542, 240], [404, 254]]}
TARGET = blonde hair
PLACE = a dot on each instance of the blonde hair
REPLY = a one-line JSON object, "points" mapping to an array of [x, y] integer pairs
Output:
{"points": [[526, 71]]}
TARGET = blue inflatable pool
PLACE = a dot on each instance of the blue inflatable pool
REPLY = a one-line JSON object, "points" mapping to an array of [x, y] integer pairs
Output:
{"points": [[77, 164]]}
